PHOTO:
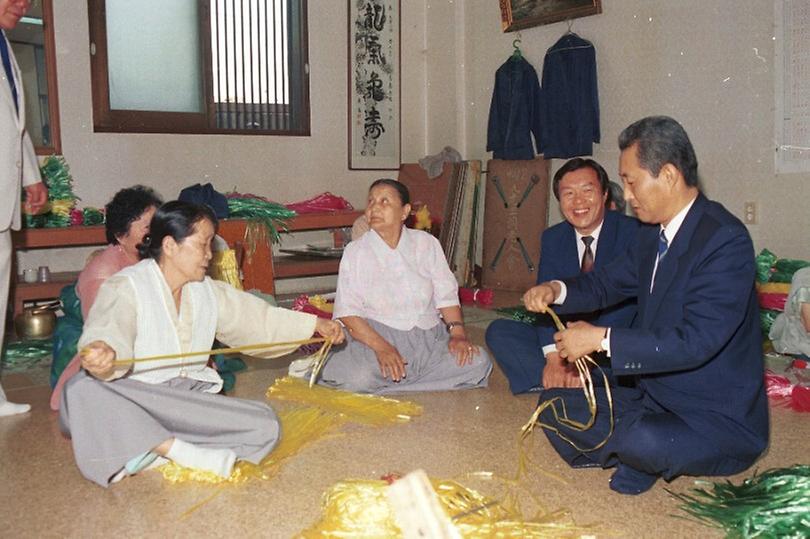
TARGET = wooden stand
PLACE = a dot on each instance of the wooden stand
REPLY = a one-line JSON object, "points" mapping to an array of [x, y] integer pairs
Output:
{"points": [[515, 215], [259, 270]]}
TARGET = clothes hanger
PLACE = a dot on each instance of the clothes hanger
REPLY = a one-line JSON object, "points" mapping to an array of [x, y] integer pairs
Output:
{"points": [[571, 33], [516, 54]]}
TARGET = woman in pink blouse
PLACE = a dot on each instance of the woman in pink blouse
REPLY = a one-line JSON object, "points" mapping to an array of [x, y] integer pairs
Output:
{"points": [[399, 301], [126, 224]]}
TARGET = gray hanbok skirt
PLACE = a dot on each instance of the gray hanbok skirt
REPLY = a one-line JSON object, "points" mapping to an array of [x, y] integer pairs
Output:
{"points": [[111, 423], [431, 366]]}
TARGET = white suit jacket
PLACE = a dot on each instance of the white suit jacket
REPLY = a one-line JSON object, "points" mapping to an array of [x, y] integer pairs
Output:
{"points": [[18, 161]]}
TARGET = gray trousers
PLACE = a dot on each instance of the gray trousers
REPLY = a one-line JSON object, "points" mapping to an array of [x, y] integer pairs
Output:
{"points": [[5, 276], [431, 366], [110, 423]]}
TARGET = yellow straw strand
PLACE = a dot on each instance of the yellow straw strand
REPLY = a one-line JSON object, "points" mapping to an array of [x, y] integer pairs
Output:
{"points": [[188, 512], [561, 415], [365, 409], [300, 427], [233, 350], [320, 360]]}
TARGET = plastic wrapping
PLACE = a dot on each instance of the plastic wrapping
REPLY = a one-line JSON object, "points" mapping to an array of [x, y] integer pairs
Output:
{"points": [[67, 332], [766, 319], [773, 302], [784, 268], [765, 259], [773, 288], [22, 355], [324, 202], [771, 268], [482, 296]]}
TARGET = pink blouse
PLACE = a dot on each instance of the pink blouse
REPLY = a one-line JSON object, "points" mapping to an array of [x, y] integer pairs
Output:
{"points": [[401, 288], [99, 268]]}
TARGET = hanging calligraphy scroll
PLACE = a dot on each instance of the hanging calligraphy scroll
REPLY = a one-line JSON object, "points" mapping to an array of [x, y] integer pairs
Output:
{"points": [[374, 84]]}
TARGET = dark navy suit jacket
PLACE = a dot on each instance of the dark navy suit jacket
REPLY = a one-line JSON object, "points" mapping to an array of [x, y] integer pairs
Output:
{"points": [[695, 347], [570, 119], [514, 113], [559, 259]]}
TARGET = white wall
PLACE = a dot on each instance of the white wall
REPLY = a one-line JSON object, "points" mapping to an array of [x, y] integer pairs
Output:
{"points": [[708, 64], [285, 169]]}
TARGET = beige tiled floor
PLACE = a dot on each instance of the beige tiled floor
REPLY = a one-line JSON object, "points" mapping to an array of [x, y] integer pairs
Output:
{"points": [[42, 493]]}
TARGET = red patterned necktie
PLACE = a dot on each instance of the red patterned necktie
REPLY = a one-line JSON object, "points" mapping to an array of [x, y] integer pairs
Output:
{"points": [[587, 256]]}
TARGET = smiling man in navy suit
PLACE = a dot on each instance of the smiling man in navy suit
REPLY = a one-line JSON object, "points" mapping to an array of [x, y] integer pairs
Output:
{"points": [[590, 237], [698, 405]]}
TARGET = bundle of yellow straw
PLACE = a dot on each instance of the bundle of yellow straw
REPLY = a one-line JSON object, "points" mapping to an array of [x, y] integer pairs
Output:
{"points": [[365, 409], [359, 508]]}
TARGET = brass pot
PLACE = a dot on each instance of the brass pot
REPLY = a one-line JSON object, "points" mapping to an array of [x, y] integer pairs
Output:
{"points": [[33, 324]]}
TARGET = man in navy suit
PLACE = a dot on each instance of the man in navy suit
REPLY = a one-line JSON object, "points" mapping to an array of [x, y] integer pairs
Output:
{"points": [[527, 354], [695, 350]]}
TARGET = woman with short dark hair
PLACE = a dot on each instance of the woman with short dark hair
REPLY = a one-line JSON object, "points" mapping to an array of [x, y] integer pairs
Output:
{"points": [[127, 218], [165, 305]]}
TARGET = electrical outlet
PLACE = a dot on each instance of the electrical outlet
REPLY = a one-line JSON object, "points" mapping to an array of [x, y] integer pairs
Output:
{"points": [[750, 213]]}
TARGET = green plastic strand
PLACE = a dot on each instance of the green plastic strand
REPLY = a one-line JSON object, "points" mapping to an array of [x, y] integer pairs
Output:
{"points": [[775, 503], [520, 314], [272, 215], [21, 355], [56, 173]]}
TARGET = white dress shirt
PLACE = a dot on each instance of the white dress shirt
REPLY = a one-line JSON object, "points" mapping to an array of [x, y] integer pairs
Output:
{"points": [[547, 349]]}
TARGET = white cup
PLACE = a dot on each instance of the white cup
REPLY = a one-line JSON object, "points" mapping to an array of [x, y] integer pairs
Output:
{"points": [[30, 275]]}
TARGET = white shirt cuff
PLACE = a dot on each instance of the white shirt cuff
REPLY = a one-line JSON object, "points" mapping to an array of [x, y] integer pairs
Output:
{"points": [[606, 343], [563, 293]]}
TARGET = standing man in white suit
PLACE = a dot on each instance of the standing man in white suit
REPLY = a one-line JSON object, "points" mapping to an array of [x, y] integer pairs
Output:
{"points": [[18, 166]]}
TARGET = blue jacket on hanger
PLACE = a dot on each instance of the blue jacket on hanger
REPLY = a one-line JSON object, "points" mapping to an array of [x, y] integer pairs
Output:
{"points": [[515, 111], [570, 119]]}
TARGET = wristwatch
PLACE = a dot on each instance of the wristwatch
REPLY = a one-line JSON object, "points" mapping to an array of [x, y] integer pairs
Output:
{"points": [[605, 343], [454, 324]]}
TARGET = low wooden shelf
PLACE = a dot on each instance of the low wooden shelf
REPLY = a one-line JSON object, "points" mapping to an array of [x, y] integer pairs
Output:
{"points": [[287, 266]]}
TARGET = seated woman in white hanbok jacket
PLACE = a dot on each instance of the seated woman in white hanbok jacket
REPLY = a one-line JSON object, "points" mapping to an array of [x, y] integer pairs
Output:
{"points": [[122, 418], [394, 291]]}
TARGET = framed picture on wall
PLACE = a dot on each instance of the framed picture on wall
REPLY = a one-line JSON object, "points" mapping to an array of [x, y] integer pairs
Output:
{"points": [[374, 84], [519, 14]]}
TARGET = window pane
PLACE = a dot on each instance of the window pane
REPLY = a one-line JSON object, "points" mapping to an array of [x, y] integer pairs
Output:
{"points": [[249, 58], [28, 40], [153, 49]]}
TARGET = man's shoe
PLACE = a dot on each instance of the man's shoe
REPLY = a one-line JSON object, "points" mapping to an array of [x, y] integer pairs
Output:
{"points": [[627, 480]]}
